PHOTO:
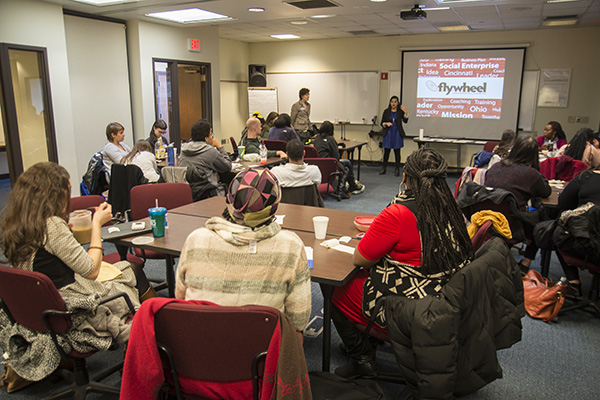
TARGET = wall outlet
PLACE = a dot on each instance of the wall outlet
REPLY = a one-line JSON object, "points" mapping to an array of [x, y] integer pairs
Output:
{"points": [[223, 141]]}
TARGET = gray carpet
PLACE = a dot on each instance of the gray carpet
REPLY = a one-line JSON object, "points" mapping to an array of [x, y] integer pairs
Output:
{"points": [[553, 360]]}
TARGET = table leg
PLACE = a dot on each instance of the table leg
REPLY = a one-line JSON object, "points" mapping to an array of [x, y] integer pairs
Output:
{"points": [[327, 291], [358, 166], [170, 275], [545, 262], [458, 158], [122, 250]]}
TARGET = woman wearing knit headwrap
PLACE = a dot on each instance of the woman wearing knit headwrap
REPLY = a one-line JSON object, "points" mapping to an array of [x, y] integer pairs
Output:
{"points": [[244, 257], [411, 249]]}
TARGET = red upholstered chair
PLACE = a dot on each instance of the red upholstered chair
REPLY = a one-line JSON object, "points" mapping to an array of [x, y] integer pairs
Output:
{"points": [[310, 151], [190, 334], [90, 202], [233, 144], [329, 171], [275, 144], [30, 299]]}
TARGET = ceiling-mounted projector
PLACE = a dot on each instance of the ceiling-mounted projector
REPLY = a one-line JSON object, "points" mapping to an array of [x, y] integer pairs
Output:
{"points": [[414, 13]]}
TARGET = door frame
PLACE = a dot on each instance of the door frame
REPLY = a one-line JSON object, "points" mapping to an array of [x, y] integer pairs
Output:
{"points": [[175, 134], [9, 109]]}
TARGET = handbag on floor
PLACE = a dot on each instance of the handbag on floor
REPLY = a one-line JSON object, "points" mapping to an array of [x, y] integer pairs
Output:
{"points": [[543, 297]]}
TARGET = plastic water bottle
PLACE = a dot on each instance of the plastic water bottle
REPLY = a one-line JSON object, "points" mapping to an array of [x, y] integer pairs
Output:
{"points": [[262, 152]]}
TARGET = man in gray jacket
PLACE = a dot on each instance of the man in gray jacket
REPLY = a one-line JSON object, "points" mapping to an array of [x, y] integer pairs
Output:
{"points": [[205, 154]]}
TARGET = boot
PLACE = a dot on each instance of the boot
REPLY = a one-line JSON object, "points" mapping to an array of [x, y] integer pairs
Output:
{"points": [[382, 170], [397, 171], [150, 293], [359, 367], [359, 348], [341, 189]]}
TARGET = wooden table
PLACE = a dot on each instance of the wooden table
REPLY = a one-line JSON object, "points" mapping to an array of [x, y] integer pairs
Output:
{"points": [[351, 145], [330, 267]]}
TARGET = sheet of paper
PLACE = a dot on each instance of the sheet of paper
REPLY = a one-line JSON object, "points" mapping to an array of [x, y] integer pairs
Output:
{"points": [[108, 272], [344, 249], [279, 219]]}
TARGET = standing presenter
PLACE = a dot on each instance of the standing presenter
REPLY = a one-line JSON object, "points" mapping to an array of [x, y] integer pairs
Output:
{"points": [[393, 133], [300, 116]]}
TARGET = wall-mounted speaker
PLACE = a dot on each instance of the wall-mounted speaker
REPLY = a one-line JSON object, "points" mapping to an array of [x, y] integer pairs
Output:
{"points": [[257, 75]]}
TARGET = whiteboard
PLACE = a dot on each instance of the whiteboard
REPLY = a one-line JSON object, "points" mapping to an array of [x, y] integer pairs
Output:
{"points": [[263, 100], [342, 96]]}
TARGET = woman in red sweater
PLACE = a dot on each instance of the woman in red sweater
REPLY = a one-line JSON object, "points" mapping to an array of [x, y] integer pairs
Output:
{"points": [[411, 249]]}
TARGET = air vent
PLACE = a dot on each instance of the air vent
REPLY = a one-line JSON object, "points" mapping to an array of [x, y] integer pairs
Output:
{"points": [[312, 4], [362, 33]]}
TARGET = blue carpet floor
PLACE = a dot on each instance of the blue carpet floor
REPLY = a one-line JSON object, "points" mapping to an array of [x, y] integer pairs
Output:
{"points": [[558, 360]]}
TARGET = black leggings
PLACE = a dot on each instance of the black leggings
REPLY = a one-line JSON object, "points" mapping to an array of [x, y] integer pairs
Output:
{"points": [[386, 156]]}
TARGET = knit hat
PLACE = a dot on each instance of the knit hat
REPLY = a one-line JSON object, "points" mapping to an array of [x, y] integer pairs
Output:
{"points": [[253, 197]]}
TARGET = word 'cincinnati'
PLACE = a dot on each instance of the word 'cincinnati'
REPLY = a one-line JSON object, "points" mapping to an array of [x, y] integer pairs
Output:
{"points": [[444, 87]]}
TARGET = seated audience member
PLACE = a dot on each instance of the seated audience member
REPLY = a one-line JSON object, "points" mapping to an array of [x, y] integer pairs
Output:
{"points": [[256, 115], [327, 146], [553, 139], [157, 133], [269, 123], [432, 244], [296, 172], [204, 153], [583, 189], [252, 142], [143, 156], [115, 149], [519, 174], [582, 148], [244, 257], [501, 150], [282, 129], [36, 237]]}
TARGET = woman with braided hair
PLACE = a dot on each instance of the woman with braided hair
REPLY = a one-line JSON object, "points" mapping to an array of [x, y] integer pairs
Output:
{"points": [[411, 249]]}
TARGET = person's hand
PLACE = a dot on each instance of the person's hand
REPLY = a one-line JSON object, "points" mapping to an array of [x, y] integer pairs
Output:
{"points": [[387, 124], [216, 143], [102, 215], [545, 146], [403, 108], [281, 154]]}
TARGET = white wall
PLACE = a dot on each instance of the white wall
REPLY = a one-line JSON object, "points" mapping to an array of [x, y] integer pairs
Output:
{"points": [[550, 48], [99, 76], [147, 41], [33, 23]]}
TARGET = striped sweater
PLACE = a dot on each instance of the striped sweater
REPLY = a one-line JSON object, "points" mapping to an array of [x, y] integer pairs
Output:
{"points": [[218, 264]]}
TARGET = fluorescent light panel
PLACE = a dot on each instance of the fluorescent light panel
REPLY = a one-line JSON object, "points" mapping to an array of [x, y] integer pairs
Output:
{"points": [[189, 16], [454, 28], [457, 1], [102, 2], [560, 22], [560, 1], [285, 36]]}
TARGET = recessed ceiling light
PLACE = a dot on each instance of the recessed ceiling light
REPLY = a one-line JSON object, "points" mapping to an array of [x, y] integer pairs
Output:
{"points": [[189, 16], [298, 22], [435, 8], [560, 22], [323, 16], [285, 36], [378, 1], [453, 28], [256, 9], [103, 2]]}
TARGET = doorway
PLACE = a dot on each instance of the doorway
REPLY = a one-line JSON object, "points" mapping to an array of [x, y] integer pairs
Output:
{"points": [[27, 118], [182, 96]]}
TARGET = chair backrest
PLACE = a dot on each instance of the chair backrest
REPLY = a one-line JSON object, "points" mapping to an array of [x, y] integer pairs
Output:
{"points": [[327, 166], [275, 144], [85, 202], [303, 195], [310, 151], [169, 195], [27, 294], [233, 144], [489, 146], [174, 174], [122, 179], [215, 343]]}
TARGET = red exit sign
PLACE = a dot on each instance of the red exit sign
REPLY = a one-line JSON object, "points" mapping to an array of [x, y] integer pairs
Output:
{"points": [[194, 45]]}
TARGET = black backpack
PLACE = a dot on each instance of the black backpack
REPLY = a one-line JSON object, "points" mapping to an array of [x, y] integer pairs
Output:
{"points": [[94, 180]]}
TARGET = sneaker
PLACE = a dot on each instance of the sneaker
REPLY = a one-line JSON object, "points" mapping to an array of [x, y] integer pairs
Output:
{"points": [[357, 188]]}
